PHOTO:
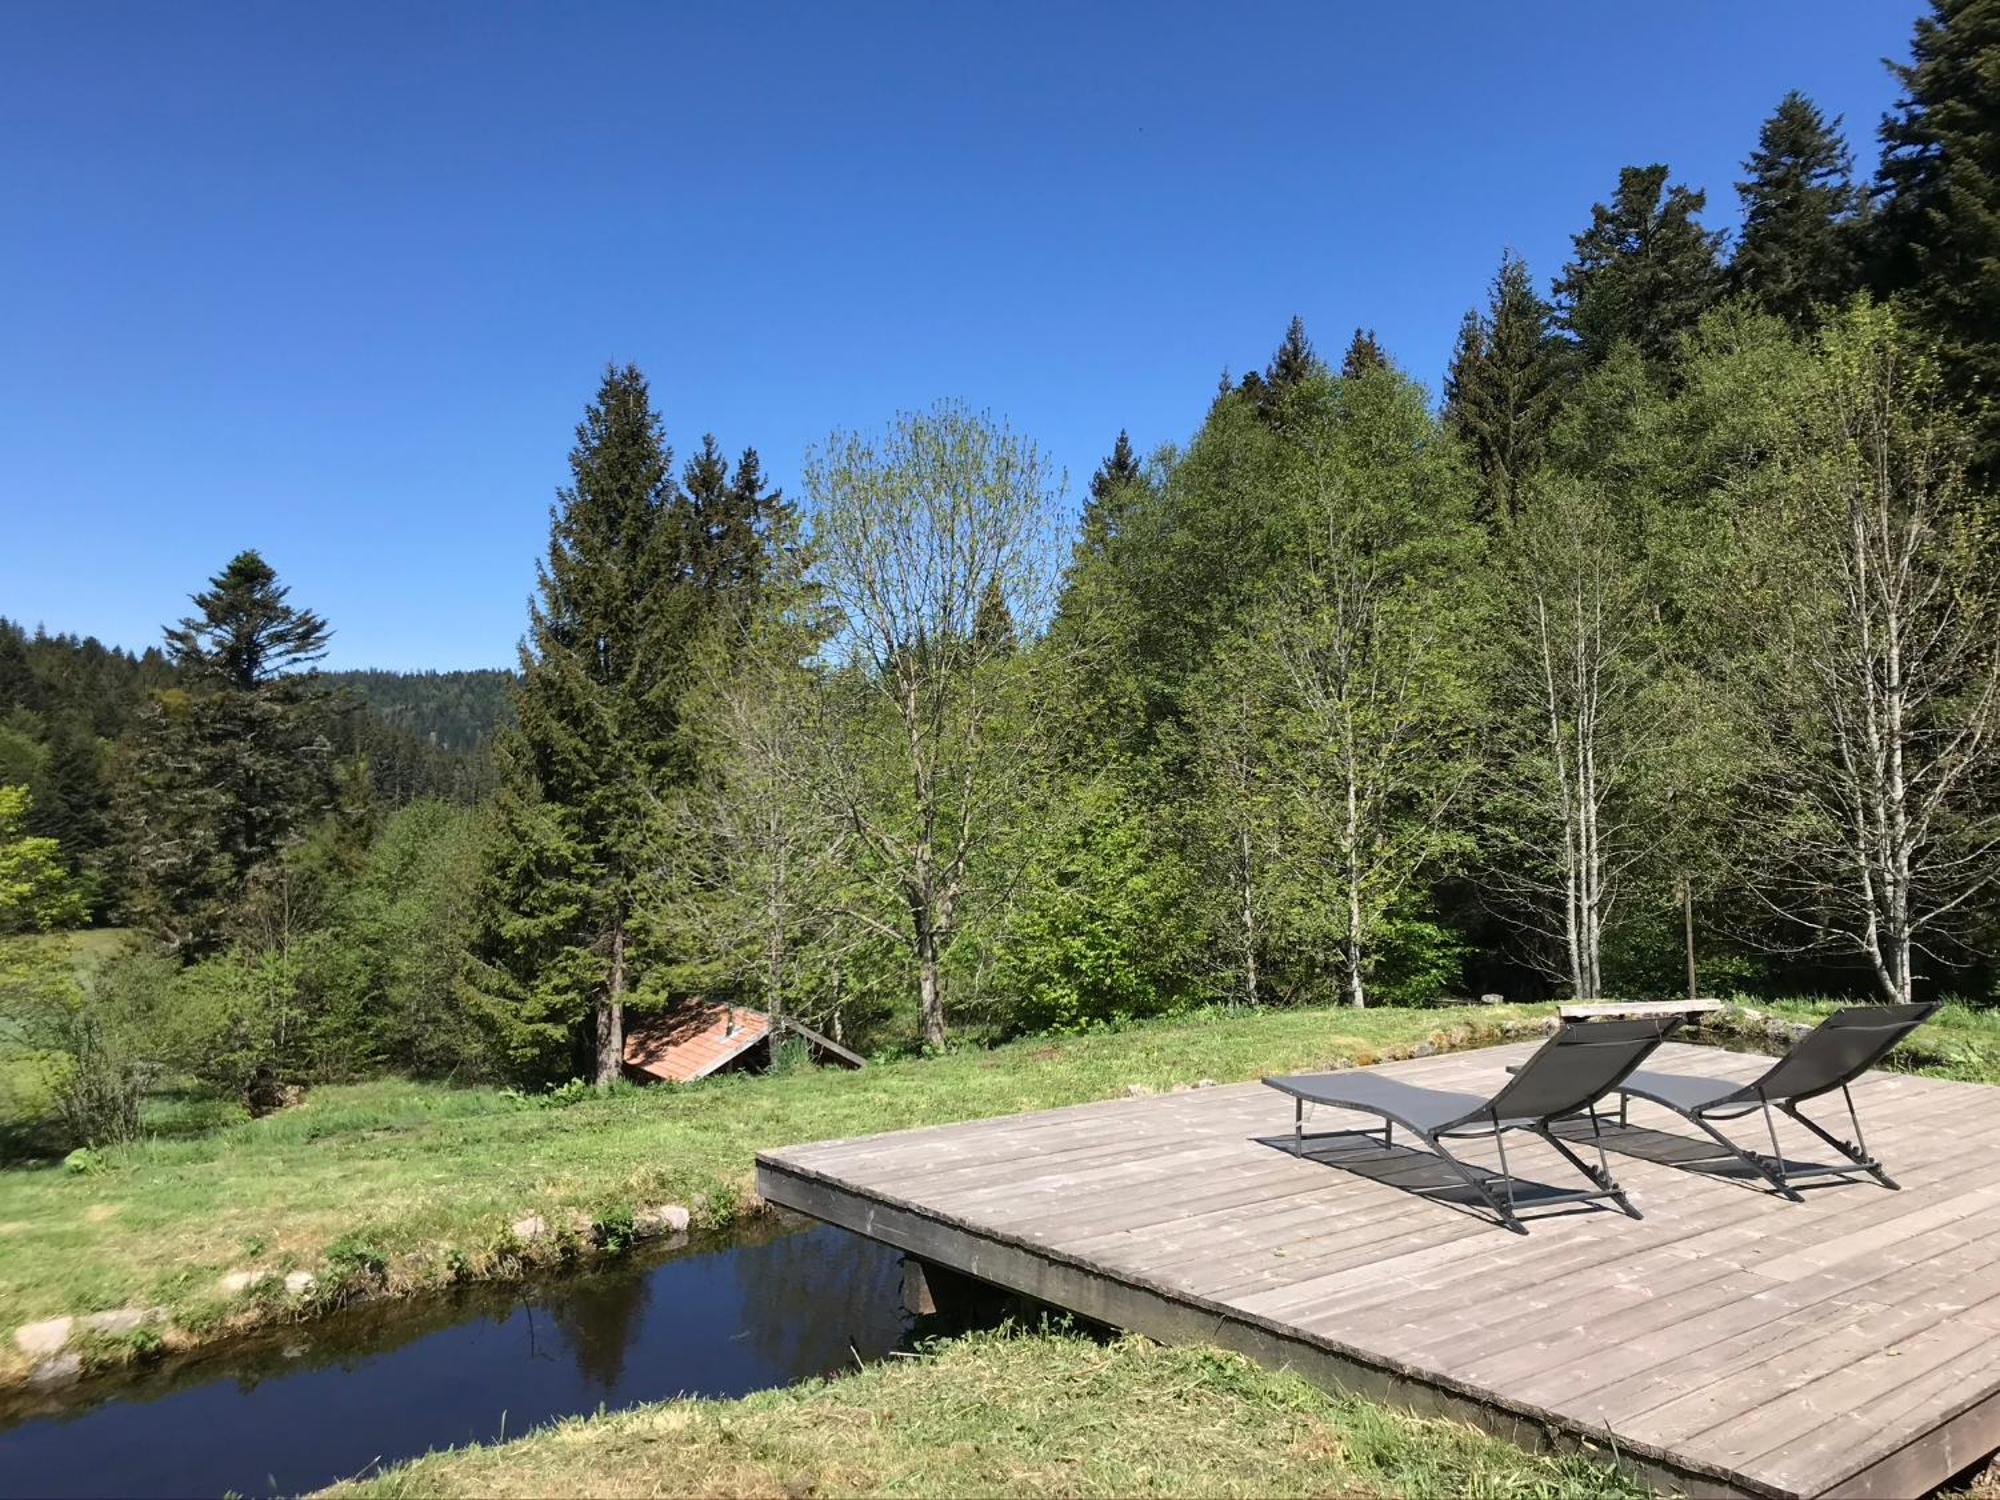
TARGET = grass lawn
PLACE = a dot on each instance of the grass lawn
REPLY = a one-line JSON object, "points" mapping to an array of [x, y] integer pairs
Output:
{"points": [[396, 1186], [994, 1414]]}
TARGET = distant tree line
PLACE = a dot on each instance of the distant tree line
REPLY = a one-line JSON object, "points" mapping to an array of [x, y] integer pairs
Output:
{"points": [[1663, 655], [71, 709], [456, 711]]}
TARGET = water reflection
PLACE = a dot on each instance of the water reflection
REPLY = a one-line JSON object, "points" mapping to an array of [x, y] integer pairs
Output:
{"points": [[300, 1409]]}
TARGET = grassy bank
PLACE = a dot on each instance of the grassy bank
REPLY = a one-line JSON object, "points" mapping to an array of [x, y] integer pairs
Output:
{"points": [[394, 1187], [1043, 1414]]}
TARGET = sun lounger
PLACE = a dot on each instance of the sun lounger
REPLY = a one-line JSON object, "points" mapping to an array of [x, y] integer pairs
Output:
{"points": [[1579, 1065], [1829, 1057]]}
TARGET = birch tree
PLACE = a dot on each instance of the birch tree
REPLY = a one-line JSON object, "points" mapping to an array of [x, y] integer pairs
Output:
{"points": [[919, 530], [752, 875], [1367, 643], [1371, 661], [1878, 588], [1229, 818], [1581, 726]]}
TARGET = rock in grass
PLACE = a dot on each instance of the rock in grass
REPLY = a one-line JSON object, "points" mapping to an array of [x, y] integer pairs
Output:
{"points": [[59, 1369], [123, 1319], [661, 1218], [529, 1230], [298, 1283], [45, 1337], [236, 1283]]}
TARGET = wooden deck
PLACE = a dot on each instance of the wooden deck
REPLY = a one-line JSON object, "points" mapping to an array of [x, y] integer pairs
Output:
{"points": [[1728, 1343]]}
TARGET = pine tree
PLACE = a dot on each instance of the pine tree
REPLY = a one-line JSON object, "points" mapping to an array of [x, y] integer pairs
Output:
{"points": [[620, 603], [1936, 235], [225, 770], [1505, 385], [1644, 272], [1798, 247], [1363, 354]]}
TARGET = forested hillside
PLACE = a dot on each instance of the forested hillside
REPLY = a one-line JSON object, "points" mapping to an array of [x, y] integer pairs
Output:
{"points": [[1659, 651], [452, 710], [71, 706]]}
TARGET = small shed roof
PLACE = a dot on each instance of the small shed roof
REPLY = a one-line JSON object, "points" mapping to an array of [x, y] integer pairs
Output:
{"points": [[693, 1040]]}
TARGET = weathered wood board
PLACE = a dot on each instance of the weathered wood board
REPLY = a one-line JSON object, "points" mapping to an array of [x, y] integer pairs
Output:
{"points": [[1729, 1342]]}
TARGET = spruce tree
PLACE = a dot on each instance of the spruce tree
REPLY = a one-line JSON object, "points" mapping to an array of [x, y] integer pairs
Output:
{"points": [[1363, 354], [231, 765], [731, 519], [638, 576], [768, 521], [1935, 237], [1294, 360], [1291, 366], [1505, 385], [1644, 272], [1797, 251], [993, 635], [1104, 509], [19, 687]]}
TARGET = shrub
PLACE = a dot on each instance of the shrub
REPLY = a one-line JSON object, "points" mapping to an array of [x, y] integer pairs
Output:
{"points": [[92, 1078]]}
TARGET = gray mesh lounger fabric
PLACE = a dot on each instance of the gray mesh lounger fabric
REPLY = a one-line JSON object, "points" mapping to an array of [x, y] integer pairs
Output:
{"points": [[1581, 1063], [1405, 1103], [1829, 1057]]}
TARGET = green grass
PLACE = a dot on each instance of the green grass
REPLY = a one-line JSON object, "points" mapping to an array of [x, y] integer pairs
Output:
{"points": [[1009, 1414], [428, 1178]]}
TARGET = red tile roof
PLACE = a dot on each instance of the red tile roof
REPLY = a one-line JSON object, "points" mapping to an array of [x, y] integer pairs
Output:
{"points": [[692, 1041]]}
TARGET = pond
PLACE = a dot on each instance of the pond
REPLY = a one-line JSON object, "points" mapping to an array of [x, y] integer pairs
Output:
{"points": [[316, 1403]]}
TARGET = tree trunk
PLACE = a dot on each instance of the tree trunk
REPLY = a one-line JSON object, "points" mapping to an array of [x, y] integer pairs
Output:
{"points": [[611, 1014], [1687, 932], [1357, 992], [1249, 923], [930, 987]]}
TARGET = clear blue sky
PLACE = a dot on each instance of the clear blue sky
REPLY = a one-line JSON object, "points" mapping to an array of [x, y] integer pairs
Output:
{"points": [[335, 281]]}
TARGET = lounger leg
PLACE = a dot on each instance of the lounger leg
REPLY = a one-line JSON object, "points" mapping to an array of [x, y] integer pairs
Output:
{"points": [[1777, 1151], [1298, 1126], [1749, 1159], [1508, 1218], [1602, 1177], [1857, 1152]]}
